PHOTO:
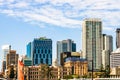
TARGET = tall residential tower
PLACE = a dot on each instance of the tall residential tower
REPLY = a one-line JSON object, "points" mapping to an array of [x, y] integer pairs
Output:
{"points": [[65, 46], [118, 38], [91, 42], [5, 49], [107, 48], [40, 51]]}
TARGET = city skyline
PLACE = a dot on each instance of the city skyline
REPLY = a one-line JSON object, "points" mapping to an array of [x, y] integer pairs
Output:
{"points": [[58, 20]]}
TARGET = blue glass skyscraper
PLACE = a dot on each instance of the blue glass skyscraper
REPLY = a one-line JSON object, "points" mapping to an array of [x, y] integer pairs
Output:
{"points": [[40, 51]]}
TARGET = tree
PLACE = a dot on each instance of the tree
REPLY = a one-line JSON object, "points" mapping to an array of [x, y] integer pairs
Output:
{"points": [[107, 71], [46, 71], [11, 72], [68, 77]]}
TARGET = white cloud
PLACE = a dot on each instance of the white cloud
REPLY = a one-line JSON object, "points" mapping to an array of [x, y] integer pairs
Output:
{"points": [[19, 5], [63, 13]]}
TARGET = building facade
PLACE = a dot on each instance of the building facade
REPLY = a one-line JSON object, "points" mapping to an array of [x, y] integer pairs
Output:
{"points": [[118, 37], [91, 42], [11, 63], [29, 50], [3, 66], [5, 49], [115, 58], [40, 51], [65, 46], [36, 72], [27, 62], [78, 67], [65, 55], [107, 48], [12, 58]]}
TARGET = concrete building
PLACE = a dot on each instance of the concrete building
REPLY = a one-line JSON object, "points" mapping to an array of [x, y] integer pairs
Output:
{"points": [[11, 69], [11, 63], [65, 55], [115, 72], [115, 58], [78, 67], [3, 66], [12, 58], [5, 50], [36, 72], [91, 42], [107, 48], [118, 38], [27, 61], [107, 42], [65, 46]]}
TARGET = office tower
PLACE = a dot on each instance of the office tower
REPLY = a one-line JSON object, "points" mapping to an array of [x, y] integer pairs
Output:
{"points": [[91, 42], [12, 58], [115, 58], [107, 42], [40, 51], [65, 46], [107, 48], [3, 66], [118, 37], [6, 49], [29, 51]]}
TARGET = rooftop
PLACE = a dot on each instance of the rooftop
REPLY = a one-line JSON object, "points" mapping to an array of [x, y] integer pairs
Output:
{"points": [[117, 50]]}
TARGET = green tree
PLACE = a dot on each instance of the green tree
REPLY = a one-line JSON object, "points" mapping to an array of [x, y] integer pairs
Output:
{"points": [[107, 71], [11, 72], [68, 77], [46, 71]]}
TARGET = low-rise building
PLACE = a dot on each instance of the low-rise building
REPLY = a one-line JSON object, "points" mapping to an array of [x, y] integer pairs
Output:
{"points": [[27, 61], [115, 58], [78, 66], [42, 72]]}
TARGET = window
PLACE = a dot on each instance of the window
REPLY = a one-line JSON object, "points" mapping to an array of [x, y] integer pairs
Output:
{"points": [[42, 51], [38, 51], [45, 51], [40, 55], [41, 61]]}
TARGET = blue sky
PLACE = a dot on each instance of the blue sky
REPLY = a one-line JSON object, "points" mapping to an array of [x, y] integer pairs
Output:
{"points": [[23, 20]]}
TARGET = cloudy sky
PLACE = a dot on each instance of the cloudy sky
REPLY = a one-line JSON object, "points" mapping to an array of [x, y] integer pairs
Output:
{"points": [[23, 20]]}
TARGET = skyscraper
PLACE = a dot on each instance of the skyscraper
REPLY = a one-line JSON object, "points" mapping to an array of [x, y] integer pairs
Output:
{"points": [[29, 51], [107, 48], [107, 42], [12, 58], [5, 49], [118, 38], [65, 46], [91, 42], [40, 51]]}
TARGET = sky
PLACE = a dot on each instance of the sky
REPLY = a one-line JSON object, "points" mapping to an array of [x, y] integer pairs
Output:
{"points": [[23, 20]]}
